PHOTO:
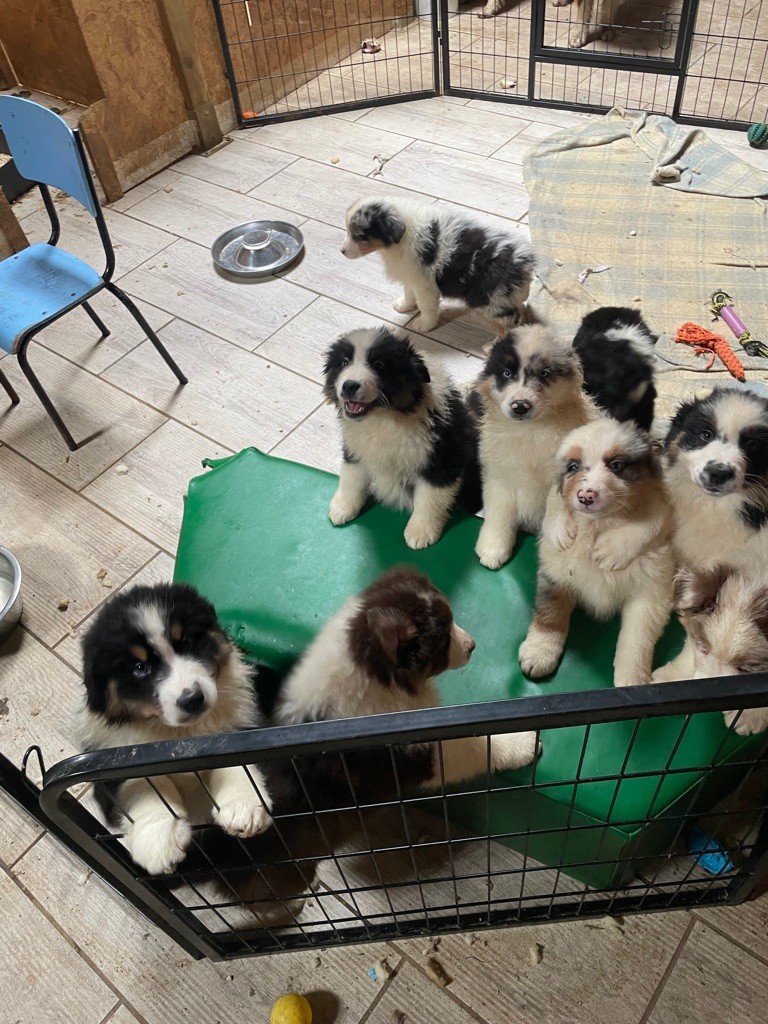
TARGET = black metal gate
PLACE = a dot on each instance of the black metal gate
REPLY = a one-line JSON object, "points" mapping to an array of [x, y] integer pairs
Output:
{"points": [[459, 858], [700, 61]]}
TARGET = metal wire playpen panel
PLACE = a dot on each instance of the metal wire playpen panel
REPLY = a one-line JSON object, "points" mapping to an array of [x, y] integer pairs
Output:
{"points": [[700, 61], [333, 871]]}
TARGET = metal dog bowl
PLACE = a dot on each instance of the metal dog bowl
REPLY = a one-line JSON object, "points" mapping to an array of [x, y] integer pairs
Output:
{"points": [[259, 248], [10, 592]]}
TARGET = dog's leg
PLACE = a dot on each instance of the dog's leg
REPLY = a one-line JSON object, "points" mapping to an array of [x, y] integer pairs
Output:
{"points": [[543, 646], [347, 503], [241, 811], [492, 8], [431, 508], [642, 622], [681, 667], [747, 723], [467, 758], [155, 839], [498, 533], [580, 33], [428, 302], [407, 301]]}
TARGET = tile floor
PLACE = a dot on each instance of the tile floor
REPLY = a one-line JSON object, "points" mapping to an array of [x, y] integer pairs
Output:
{"points": [[72, 951]]}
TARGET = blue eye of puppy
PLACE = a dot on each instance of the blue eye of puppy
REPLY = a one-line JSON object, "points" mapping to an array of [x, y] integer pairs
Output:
{"points": [[506, 373], [543, 374], [140, 669], [616, 465], [344, 361], [571, 466]]}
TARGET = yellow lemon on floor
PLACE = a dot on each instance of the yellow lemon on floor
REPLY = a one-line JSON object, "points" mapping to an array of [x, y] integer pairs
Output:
{"points": [[291, 1009]]}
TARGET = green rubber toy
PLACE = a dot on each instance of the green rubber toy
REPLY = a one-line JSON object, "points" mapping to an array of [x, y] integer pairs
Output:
{"points": [[757, 135]]}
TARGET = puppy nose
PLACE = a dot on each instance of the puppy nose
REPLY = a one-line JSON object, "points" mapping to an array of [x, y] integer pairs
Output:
{"points": [[719, 473], [521, 407], [350, 388], [471, 645], [191, 701], [587, 496]]}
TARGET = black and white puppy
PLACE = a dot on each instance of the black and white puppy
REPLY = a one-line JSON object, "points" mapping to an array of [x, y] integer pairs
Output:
{"points": [[408, 439], [716, 468], [615, 346], [433, 252], [158, 666]]}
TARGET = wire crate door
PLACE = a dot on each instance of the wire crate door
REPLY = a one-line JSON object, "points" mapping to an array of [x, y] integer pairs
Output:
{"points": [[289, 59]]}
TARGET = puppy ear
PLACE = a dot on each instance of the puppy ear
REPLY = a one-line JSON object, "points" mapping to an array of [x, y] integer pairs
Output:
{"points": [[392, 227], [392, 628], [696, 591]]}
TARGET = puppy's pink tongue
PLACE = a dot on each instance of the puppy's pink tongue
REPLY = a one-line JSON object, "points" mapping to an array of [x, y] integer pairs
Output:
{"points": [[355, 408]]}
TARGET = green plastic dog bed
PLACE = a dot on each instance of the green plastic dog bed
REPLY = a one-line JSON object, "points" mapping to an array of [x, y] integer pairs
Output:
{"points": [[256, 540]]}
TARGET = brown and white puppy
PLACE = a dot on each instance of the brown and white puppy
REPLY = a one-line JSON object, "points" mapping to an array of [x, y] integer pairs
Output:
{"points": [[379, 653], [408, 440], [158, 666], [605, 545], [716, 468], [725, 616], [527, 399], [434, 251]]}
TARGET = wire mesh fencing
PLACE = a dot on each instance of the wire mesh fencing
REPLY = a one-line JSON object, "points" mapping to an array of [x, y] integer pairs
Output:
{"points": [[700, 61], [642, 800]]}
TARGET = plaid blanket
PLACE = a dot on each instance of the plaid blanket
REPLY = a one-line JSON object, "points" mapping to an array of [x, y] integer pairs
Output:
{"points": [[671, 214]]}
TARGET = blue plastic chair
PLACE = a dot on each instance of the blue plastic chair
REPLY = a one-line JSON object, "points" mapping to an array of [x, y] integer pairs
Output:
{"points": [[42, 283]]}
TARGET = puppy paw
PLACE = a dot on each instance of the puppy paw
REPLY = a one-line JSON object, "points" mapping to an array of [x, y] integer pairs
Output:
{"points": [[746, 723], [665, 674], [242, 817], [424, 324], [404, 305], [539, 656], [635, 676], [578, 39], [419, 534], [340, 511], [610, 556], [514, 750], [159, 846], [492, 551], [560, 531]]}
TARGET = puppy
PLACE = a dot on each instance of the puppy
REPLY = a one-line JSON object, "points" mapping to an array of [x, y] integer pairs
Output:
{"points": [[528, 397], [408, 439], [158, 666], [379, 653], [586, 27], [725, 617], [716, 467], [615, 346], [433, 251], [605, 544]]}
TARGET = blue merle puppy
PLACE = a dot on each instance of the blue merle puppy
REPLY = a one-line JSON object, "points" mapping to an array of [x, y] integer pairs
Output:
{"points": [[433, 251]]}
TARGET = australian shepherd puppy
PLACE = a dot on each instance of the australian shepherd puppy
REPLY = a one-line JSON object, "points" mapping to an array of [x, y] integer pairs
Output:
{"points": [[528, 397], [408, 440], [725, 616], [605, 544], [615, 346], [434, 252], [158, 666], [716, 465]]}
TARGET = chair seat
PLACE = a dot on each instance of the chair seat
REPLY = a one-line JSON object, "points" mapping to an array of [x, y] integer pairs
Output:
{"points": [[36, 284]]}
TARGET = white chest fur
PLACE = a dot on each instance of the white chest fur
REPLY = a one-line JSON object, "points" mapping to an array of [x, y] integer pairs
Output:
{"points": [[709, 530], [393, 449]]}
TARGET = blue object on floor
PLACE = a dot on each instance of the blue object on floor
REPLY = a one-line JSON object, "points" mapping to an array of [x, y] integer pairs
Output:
{"points": [[708, 852], [42, 283]]}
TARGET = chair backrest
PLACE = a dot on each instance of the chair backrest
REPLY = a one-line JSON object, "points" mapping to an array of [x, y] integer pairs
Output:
{"points": [[45, 150]]}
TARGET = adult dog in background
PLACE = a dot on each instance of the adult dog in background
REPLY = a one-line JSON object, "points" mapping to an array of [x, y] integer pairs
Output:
{"points": [[408, 440], [433, 252], [716, 468], [158, 666]]}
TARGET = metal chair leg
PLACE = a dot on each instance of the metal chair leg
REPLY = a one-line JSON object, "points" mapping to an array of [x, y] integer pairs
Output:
{"points": [[140, 319], [42, 394], [9, 389], [97, 320]]}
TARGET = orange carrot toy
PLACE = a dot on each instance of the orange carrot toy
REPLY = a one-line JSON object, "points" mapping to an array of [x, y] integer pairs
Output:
{"points": [[706, 343]]}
